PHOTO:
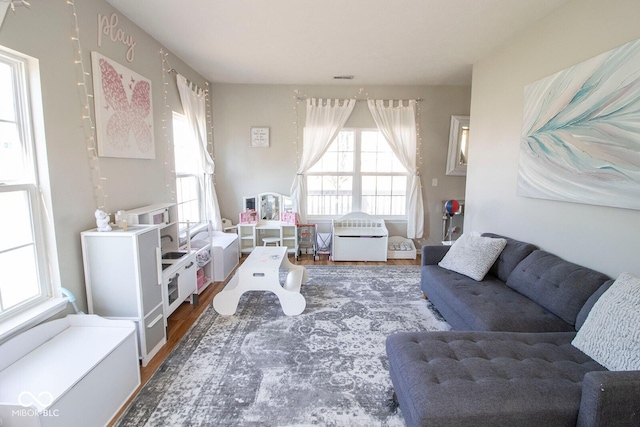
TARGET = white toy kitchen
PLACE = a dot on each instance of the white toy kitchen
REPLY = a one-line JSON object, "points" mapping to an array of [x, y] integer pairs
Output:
{"points": [[140, 271]]}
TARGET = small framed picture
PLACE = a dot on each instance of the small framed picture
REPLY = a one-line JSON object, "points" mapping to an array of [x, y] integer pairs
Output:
{"points": [[260, 137]]}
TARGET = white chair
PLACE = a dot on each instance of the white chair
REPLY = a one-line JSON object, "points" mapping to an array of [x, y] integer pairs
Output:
{"points": [[266, 241]]}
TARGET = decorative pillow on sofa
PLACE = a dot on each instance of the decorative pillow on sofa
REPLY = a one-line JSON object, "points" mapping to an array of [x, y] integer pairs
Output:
{"points": [[473, 255], [611, 333]]}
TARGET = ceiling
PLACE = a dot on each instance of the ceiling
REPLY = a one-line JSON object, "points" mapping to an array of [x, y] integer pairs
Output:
{"points": [[379, 42]]}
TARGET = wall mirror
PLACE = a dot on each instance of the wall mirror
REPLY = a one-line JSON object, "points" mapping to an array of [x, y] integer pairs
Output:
{"points": [[458, 146], [269, 206], [249, 203]]}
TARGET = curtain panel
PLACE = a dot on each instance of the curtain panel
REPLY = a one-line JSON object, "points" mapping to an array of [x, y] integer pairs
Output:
{"points": [[323, 123], [398, 125], [194, 106]]}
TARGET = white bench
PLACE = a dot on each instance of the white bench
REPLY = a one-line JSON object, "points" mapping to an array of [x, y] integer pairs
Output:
{"points": [[359, 237], [75, 371]]}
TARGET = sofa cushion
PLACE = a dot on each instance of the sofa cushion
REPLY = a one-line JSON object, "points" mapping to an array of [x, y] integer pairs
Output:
{"points": [[487, 378], [558, 285], [586, 308], [473, 255], [611, 333], [485, 306], [514, 252]]}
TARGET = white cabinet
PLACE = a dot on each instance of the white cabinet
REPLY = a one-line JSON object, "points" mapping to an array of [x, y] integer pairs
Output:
{"points": [[179, 283], [123, 279]]}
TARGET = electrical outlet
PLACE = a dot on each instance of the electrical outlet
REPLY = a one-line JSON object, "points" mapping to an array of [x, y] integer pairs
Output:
{"points": [[434, 182]]}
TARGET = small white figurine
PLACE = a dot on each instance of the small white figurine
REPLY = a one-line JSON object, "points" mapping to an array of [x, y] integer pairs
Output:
{"points": [[102, 220]]}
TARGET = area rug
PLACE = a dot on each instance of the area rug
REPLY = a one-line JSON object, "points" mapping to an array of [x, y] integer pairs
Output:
{"points": [[327, 366]]}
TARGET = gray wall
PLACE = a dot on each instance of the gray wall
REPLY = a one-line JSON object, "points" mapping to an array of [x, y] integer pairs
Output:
{"points": [[602, 238], [242, 170], [44, 31]]}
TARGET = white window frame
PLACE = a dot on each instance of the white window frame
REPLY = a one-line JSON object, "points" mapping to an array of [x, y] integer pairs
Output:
{"points": [[30, 122], [196, 176], [357, 174]]}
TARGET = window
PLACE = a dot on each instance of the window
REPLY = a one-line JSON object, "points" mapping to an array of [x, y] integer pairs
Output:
{"points": [[24, 262], [358, 172], [188, 189]]}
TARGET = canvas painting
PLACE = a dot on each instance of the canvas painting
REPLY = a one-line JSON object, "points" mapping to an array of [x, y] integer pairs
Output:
{"points": [[124, 112], [581, 132]]}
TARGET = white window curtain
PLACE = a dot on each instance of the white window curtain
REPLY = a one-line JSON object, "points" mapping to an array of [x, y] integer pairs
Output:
{"points": [[193, 104], [324, 122], [398, 125]]}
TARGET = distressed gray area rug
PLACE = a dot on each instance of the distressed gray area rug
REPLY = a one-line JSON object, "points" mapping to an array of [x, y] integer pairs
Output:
{"points": [[327, 366]]}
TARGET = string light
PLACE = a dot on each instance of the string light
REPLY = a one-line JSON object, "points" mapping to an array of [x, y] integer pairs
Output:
{"points": [[207, 97], [169, 170], [98, 181]]}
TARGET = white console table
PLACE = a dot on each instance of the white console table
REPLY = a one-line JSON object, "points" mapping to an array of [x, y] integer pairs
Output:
{"points": [[261, 272]]}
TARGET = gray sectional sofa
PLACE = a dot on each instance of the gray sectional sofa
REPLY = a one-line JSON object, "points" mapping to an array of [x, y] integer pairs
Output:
{"points": [[509, 360]]}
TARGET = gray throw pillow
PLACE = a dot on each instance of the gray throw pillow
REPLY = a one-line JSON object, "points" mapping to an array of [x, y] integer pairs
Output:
{"points": [[473, 255]]}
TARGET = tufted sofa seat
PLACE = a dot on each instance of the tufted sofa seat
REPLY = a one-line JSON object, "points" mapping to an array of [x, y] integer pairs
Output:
{"points": [[478, 379]]}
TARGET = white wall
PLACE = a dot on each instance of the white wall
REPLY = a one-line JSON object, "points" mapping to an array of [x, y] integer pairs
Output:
{"points": [[603, 238], [44, 31], [243, 171]]}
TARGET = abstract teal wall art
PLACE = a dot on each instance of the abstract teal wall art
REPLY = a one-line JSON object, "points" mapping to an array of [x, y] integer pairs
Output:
{"points": [[581, 132]]}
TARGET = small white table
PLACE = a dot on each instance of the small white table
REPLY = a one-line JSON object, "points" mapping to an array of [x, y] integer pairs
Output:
{"points": [[260, 272]]}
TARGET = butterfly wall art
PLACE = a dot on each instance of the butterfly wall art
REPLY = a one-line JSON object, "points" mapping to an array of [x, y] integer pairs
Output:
{"points": [[124, 110]]}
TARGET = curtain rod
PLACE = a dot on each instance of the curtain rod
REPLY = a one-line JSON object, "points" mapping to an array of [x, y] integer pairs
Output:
{"points": [[302, 98]]}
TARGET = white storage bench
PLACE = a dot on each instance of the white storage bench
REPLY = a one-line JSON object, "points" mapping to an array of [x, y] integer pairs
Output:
{"points": [[225, 254], [359, 237], [72, 372]]}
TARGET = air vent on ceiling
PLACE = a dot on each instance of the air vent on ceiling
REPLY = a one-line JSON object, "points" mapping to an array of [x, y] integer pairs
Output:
{"points": [[343, 77]]}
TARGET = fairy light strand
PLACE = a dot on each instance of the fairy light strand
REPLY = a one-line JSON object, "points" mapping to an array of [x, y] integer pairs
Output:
{"points": [[88, 123], [207, 97], [169, 168]]}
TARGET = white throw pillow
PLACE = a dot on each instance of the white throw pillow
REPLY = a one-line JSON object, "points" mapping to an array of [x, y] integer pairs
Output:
{"points": [[473, 255], [611, 333]]}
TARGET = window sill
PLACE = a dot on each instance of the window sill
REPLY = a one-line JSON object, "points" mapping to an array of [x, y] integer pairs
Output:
{"points": [[31, 317]]}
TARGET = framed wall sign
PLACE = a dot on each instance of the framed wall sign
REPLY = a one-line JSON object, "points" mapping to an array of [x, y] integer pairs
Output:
{"points": [[260, 137]]}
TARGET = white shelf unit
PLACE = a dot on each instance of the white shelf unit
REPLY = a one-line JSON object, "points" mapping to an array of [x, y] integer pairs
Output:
{"points": [[247, 237], [123, 280], [251, 235]]}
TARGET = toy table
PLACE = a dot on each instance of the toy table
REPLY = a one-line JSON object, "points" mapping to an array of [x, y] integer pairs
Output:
{"points": [[261, 272]]}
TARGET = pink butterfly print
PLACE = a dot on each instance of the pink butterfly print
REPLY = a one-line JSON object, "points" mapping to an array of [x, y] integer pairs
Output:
{"points": [[127, 116]]}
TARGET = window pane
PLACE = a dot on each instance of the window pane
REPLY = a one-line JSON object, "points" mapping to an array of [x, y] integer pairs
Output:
{"points": [[377, 156], [184, 146], [384, 195], [12, 162], [339, 156], [7, 107], [329, 195], [188, 190], [19, 281], [15, 220]]}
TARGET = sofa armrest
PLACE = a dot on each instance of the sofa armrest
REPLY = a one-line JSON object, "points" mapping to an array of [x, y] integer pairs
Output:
{"points": [[610, 398], [432, 255]]}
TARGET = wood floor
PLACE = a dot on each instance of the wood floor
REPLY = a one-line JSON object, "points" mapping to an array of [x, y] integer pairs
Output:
{"points": [[186, 314]]}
